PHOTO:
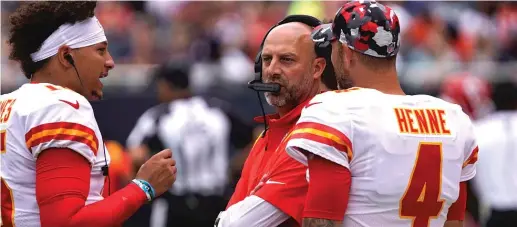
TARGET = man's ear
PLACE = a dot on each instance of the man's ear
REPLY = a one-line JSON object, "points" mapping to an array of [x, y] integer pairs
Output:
{"points": [[61, 53], [318, 66], [349, 58]]}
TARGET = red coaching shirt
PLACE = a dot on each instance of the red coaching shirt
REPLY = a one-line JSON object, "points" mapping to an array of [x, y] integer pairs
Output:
{"points": [[270, 173]]}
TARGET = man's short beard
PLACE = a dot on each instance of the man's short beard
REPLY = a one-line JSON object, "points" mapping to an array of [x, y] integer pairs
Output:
{"points": [[277, 100], [289, 95]]}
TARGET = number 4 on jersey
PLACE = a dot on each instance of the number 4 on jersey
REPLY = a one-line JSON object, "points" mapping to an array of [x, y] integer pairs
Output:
{"points": [[421, 201]]}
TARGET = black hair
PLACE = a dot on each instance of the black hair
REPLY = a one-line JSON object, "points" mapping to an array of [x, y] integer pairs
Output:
{"points": [[33, 22]]}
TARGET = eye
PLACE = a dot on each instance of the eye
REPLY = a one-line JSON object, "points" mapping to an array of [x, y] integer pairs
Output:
{"points": [[101, 50], [285, 59], [266, 59]]}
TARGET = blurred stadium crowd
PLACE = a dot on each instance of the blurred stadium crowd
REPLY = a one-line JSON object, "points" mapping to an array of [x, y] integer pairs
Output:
{"points": [[440, 40], [448, 37]]}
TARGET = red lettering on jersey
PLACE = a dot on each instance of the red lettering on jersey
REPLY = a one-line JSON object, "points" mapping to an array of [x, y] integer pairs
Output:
{"points": [[442, 122], [5, 109], [410, 121], [421, 201], [433, 121], [422, 121], [3, 104], [402, 120], [428, 121]]}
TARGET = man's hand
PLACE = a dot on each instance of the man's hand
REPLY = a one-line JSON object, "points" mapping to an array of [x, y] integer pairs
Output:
{"points": [[318, 222], [159, 171]]}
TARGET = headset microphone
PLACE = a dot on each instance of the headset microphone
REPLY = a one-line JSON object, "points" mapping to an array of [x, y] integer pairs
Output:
{"points": [[258, 85], [105, 168]]}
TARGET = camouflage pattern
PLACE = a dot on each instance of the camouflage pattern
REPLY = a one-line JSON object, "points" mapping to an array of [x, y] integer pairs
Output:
{"points": [[323, 34], [368, 27]]}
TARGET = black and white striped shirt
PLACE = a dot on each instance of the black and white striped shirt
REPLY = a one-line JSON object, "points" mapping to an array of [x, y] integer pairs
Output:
{"points": [[198, 135]]}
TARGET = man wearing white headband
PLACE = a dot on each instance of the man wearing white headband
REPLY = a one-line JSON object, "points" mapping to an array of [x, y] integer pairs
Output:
{"points": [[53, 159]]}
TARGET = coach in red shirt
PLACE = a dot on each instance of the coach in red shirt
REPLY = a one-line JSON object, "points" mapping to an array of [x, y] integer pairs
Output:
{"points": [[272, 187]]}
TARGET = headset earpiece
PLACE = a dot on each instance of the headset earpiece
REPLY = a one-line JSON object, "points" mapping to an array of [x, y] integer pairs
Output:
{"points": [[258, 65], [70, 59]]}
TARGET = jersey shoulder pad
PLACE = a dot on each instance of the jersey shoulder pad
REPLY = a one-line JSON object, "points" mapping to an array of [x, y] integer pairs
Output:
{"points": [[52, 97], [58, 117]]}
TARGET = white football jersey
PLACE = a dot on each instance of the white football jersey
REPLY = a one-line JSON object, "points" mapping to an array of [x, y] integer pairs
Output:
{"points": [[34, 118], [406, 154]]}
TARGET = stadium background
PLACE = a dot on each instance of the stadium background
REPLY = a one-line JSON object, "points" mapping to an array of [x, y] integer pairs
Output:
{"points": [[440, 40]]}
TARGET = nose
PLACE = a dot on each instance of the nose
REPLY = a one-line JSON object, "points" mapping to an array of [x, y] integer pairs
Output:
{"points": [[110, 63], [273, 68]]}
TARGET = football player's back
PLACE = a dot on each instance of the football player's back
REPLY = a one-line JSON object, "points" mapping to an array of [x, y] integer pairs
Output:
{"points": [[410, 154]]}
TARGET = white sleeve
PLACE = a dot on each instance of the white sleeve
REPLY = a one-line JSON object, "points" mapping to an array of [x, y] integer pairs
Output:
{"points": [[323, 130], [144, 127], [60, 125], [471, 154], [251, 212]]}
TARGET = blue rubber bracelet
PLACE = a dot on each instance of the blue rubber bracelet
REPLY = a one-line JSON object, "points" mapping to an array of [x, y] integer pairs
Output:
{"points": [[146, 187], [151, 189]]}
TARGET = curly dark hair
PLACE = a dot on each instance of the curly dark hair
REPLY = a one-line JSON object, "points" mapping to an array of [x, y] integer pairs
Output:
{"points": [[33, 22]]}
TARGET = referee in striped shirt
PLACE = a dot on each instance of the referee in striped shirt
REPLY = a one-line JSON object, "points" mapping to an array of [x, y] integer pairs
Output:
{"points": [[198, 134]]}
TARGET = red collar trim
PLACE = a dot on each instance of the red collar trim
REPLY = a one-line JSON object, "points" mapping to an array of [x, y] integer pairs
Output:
{"points": [[274, 120]]}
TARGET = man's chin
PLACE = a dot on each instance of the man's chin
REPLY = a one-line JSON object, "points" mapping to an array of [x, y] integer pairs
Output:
{"points": [[95, 96], [276, 101]]}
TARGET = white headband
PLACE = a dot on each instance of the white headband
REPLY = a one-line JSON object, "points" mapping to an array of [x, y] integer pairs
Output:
{"points": [[80, 34]]}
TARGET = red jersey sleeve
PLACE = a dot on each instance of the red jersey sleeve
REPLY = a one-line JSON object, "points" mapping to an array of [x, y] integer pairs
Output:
{"points": [[457, 209], [63, 183], [329, 187]]}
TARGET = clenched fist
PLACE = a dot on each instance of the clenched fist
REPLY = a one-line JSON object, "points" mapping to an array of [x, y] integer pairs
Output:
{"points": [[159, 171]]}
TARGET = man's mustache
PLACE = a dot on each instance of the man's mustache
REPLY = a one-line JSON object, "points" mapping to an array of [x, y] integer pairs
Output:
{"points": [[275, 79]]}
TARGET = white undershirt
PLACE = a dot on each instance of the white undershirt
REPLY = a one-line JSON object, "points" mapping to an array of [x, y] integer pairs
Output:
{"points": [[253, 211]]}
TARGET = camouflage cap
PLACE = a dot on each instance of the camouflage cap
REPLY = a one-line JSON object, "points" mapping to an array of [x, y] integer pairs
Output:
{"points": [[368, 27]]}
